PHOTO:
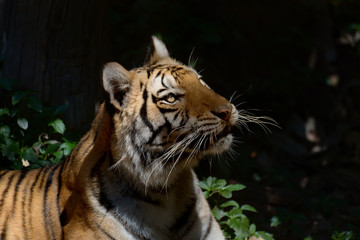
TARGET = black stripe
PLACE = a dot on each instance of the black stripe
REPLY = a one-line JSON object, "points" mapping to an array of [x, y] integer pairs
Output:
{"points": [[103, 199], [17, 185], [3, 173], [157, 131], [25, 213], [132, 230], [49, 179], [161, 90], [176, 115], [162, 81], [158, 74], [5, 226], [209, 124], [93, 142], [143, 111], [184, 218], [185, 117], [5, 192], [209, 227], [2, 200], [59, 187], [110, 109], [77, 147], [62, 219], [37, 178], [154, 99], [104, 232], [138, 148], [167, 110]]}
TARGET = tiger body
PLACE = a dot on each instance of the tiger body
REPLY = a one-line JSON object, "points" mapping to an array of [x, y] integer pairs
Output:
{"points": [[131, 176]]}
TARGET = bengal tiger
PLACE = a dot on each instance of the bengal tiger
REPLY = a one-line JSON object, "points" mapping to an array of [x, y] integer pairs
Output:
{"points": [[131, 176]]}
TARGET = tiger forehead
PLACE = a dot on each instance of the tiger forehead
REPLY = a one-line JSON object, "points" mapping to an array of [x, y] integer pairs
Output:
{"points": [[176, 71]]}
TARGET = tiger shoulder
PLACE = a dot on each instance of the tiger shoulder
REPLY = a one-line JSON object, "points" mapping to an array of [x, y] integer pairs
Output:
{"points": [[131, 175]]}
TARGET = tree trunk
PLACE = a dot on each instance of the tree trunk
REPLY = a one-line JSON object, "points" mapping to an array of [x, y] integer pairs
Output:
{"points": [[57, 48]]}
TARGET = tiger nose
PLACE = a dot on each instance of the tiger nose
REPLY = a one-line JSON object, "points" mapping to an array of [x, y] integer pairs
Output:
{"points": [[223, 113]]}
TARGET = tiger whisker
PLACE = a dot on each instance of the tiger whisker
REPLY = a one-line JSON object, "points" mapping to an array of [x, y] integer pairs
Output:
{"points": [[168, 155], [177, 159]]}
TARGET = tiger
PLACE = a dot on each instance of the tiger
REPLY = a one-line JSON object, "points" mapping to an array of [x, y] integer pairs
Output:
{"points": [[131, 176]]}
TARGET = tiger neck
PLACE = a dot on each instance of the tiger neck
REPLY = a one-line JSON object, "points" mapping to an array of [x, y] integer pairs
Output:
{"points": [[90, 149]]}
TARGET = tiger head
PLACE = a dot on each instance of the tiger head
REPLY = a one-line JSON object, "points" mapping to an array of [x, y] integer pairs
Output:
{"points": [[165, 114]]}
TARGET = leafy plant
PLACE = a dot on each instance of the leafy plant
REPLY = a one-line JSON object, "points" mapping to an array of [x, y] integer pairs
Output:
{"points": [[346, 235], [230, 215], [31, 135]]}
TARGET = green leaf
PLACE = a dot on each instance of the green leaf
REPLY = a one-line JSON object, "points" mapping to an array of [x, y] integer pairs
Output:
{"points": [[42, 151], [29, 154], [51, 142], [23, 123], [225, 194], [10, 149], [51, 148], [5, 131], [275, 221], [240, 228], [247, 207], [204, 185], [4, 111], [231, 203], [35, 103], [37, 145], [210, 181], [218, 213], [220, 183], [264, 235], [67, 147], [17, 97], [58, 157], [252, 229], [206, 194], [235, 213], [58, 125], [346, 235], [235, 187]]}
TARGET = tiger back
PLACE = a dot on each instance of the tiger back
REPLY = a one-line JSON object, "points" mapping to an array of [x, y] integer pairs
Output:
{"points": [[131, 176]]}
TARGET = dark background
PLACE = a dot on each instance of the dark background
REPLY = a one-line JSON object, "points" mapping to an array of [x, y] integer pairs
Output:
{"points": [[295, 61]]}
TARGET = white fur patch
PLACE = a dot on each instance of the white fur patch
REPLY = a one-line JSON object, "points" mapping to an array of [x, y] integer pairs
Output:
{"points": [[160, 48]]}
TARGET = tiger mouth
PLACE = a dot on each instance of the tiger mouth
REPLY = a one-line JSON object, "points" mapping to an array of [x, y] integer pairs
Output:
{"points": [[210, 140]]}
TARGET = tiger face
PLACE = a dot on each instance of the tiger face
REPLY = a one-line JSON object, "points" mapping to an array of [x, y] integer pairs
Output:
{"points": [[165, 113]]}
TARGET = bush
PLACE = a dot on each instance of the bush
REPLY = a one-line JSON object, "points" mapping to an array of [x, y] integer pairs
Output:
{"points": [[31, 135], [230, 215]]}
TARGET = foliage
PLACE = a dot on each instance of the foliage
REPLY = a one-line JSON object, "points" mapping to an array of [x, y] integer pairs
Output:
{"points": [[346, 235], [230, 215], [31, 135]]}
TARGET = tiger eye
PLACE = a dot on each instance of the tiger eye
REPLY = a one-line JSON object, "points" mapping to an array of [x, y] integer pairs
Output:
{"points": [[171, 98]]}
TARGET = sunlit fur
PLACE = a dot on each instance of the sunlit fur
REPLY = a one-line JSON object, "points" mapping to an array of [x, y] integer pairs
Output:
{"points": [[131, 176]]}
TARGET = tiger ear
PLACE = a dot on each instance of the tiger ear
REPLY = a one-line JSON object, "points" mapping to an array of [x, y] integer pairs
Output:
{"points": [[156, 52], [116, 81]]}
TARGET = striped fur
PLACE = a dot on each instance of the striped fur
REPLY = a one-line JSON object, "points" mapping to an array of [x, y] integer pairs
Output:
{"points": [[131, 176]]}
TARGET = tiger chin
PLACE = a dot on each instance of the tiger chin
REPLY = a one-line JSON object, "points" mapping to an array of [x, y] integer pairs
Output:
{"points": [[131, 176]]}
